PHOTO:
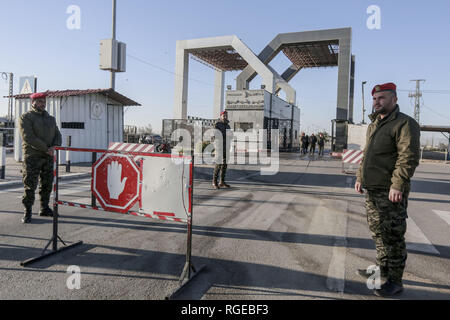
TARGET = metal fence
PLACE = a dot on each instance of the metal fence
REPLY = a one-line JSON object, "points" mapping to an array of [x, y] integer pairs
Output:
{"points": [[170, 125]]}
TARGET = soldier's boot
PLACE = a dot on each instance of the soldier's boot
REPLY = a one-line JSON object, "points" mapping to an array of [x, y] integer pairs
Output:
{"points": [[214, 183], [27, 216], [46, 211], [222, 184], [389, 288], [366, 275]]}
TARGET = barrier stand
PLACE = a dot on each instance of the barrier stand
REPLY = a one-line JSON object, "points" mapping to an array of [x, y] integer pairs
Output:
{"points": [[188, 266], [54, 239], [94, 159]]}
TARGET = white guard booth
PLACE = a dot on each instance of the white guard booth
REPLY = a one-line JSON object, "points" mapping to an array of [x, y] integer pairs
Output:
{"points": [[90, 118]]}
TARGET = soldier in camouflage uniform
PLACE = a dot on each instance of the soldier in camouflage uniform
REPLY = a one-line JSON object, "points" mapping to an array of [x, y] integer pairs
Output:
{"points": [[391, 156], [40, 134], [221, 165]]}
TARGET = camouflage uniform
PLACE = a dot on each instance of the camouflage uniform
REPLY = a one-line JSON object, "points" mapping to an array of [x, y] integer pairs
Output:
{"points": [[36, 168], [39, 132], [387, 224], [222, 168]]}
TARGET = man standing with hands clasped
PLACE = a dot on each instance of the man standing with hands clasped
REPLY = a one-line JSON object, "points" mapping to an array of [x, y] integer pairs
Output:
{"points": [[40, 135], [391, 156], [221, 149]]}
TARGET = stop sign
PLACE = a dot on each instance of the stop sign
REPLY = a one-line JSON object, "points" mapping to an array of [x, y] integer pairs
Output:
{"points": [[115, 182]]}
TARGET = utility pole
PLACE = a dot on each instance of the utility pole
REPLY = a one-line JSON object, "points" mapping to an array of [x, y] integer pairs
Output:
{"points": [[113, 73], [10, 76], [363, 110], [417, 95]]}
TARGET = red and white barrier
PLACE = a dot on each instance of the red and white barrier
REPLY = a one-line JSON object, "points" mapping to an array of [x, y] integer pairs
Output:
{"points": [[352, 156], [121, 182], [351, 159], [131, 147]]}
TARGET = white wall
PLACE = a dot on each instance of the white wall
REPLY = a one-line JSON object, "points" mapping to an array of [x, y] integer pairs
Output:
{"points": [[100, 128], [356, 136]]}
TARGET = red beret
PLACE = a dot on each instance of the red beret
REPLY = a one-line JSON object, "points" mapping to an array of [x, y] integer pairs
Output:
{"points": [[384, 87], [39, 95], [223, 112]]}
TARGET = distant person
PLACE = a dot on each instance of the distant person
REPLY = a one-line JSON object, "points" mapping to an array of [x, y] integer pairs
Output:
{"points": [[40, 135], [221, 165], [304, 142], [391, 156], [143, 139], [312, 141], [321, 144]]}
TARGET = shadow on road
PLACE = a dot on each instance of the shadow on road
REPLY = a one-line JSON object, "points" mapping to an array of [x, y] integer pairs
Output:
{"points": [[220, 272]]}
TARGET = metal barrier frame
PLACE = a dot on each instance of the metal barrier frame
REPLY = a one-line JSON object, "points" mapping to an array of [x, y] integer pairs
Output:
{"points": [[188, 267]]}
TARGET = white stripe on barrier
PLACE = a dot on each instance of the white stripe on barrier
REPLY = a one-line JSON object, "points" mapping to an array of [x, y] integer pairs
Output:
{"points": [[114, 145], [122, 146], [139, 147], [352, 156], [130, 147], [148, 148]]}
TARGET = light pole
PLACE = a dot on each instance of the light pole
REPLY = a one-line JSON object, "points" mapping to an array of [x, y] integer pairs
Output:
{"points": [[363, 110], [113, 73]]}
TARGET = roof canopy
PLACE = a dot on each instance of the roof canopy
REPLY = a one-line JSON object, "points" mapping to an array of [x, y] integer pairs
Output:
{"points": [[225, 58], [313, 54], [67, 93]]}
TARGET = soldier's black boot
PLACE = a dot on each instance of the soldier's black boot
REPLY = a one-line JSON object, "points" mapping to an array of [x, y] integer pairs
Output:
{"points": [[222, 184], [27, 216], [366, 275], [46, 211], [389, 288]]}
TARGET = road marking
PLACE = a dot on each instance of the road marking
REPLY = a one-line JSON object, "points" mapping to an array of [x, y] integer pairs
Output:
{"points": [[444, 215], [416, 239], [261, 216], [332, 223]]}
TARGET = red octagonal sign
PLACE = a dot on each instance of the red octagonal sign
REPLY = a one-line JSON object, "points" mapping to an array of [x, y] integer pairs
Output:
{"points": [[115, 182]]}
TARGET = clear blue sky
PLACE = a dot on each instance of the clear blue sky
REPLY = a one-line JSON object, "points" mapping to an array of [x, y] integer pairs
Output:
{"points": [[413, 43]]}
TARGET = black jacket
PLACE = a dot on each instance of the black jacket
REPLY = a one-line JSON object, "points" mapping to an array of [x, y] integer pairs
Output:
{"points": [[222, 127], [321, 142]]}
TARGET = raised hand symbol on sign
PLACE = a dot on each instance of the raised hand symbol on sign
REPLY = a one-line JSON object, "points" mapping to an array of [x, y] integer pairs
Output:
{"points": [[115, 186]]}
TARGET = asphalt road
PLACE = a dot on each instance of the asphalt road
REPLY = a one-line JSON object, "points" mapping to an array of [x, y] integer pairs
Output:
{"points": [[300, 234]]}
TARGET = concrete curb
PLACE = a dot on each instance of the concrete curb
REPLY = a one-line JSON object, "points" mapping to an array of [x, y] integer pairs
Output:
{"points": [[16, 183]]}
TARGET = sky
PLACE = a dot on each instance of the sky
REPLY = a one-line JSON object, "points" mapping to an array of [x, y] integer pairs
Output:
{"points": [[410, 43]]}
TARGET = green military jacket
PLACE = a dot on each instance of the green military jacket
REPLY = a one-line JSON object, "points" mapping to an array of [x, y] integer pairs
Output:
{"points": [[39, 132], [392, 152]]}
